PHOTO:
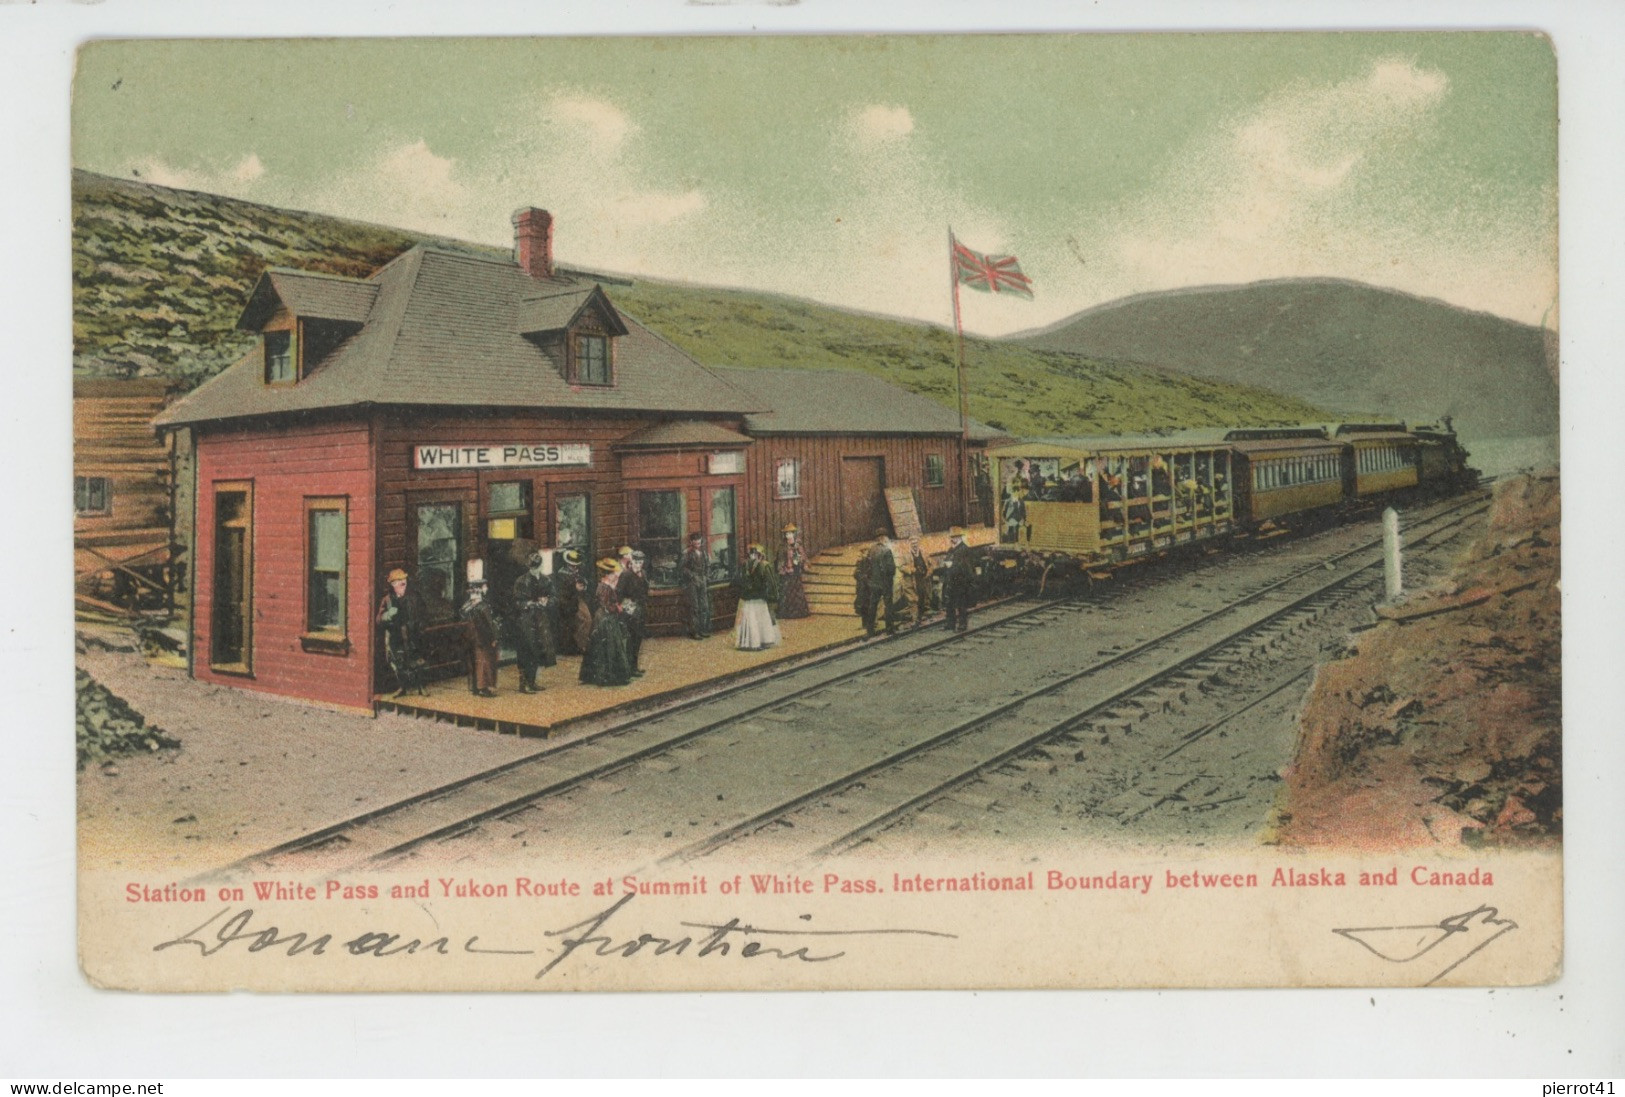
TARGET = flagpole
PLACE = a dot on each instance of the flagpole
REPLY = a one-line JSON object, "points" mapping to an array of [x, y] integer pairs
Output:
{"points": [[959, 379]]}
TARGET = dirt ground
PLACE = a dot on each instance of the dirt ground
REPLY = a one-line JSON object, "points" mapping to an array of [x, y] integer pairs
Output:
{"points": [[1463, 744], [251, 770]]}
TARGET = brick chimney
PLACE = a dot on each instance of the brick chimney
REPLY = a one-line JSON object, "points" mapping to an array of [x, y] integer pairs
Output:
{"points": [[533, 241]]}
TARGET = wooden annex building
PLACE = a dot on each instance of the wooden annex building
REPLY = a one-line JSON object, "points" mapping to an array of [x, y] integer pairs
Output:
{"points": [[123, 476], [453, 409]]}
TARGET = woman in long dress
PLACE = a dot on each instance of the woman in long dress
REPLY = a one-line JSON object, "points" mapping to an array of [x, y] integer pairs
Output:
{"points": [[608, 660], [792, 563], [758, 589]]}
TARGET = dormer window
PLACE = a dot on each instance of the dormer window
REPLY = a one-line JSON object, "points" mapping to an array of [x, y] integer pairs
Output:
{"points": [[280, 364], [592, 359]]}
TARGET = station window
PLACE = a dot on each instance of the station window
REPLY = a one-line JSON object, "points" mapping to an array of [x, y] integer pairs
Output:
{"points": [[279, 358], [326, 553], [572, 523], [592, 359], [721, 540], [92, 495], [787, 479], [661, 524], [935, 475], [507, 510], [439, 554]]}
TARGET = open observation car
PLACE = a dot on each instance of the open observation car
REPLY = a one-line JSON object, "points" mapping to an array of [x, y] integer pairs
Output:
{"points": [[1104, 500], [1094, 502]]}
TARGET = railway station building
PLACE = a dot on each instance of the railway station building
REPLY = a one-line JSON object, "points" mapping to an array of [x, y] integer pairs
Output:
{"points": [[455, 412]]}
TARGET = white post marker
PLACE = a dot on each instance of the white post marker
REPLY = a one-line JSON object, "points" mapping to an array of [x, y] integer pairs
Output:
{"points": [[1391, 564]]}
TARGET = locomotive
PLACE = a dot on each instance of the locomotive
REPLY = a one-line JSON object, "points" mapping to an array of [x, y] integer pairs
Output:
{"points": [[1083, 505]]}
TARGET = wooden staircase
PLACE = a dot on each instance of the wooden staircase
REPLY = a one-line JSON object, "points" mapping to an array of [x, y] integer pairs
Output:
{"points": [[831, 590]]}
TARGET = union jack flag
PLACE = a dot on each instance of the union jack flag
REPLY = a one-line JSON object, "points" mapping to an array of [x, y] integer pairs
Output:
{"points": [[990, 273]]}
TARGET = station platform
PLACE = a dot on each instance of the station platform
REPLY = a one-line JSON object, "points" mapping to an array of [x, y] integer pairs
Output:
{"points": [[673, 667]]}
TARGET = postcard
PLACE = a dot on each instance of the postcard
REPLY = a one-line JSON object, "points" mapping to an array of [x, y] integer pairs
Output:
{"points": [[888, 512]]}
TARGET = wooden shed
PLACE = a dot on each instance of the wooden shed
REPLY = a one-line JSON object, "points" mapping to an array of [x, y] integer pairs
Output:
{"points": [[122, 511]]}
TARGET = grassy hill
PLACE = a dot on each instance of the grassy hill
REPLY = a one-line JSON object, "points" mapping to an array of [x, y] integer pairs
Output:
{"points": [[1342, 345], [160, 277]]}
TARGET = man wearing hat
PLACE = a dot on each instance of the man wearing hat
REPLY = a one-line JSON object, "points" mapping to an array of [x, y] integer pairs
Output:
{"points": [[920, 567], [535, 646], [633, 591], [958, 579], [694, 574], [568, 586], [482, 641], [876, 575], [400, 615]]}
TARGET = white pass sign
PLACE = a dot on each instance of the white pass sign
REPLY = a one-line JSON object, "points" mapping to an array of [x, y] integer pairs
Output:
{"points": [[505, 455]]}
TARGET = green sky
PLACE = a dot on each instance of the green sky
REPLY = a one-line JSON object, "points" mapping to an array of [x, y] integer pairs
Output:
{"points": [[830, 168]]}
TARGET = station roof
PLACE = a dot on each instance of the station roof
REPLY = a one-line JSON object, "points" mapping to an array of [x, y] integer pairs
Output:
{"points": [[448, 329], [828, 401], [683, 432]]}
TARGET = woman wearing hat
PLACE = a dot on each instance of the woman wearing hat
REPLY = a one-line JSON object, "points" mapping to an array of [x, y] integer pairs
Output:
{"points": [[758, 588], [608, 659], [482, 642], [792, 563], [575, 620]]}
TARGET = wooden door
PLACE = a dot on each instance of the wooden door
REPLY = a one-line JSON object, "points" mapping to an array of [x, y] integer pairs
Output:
{"points": [[863, 498]]}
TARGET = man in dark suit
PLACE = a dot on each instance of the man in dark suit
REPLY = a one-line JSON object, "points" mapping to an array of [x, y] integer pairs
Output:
{"points": [[958, 581], [482, 642], [876, 574], [633, 591], [535, 646], [400, 616], [695, 575]]}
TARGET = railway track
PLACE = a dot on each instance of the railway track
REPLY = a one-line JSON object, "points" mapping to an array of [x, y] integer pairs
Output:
{"points": [[436, 814], [843, 814], [390, 833]]}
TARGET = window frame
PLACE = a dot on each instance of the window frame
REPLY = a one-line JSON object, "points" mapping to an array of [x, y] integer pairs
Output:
{"points": [[794, 464], [330, 640], [577, 339], [731, 537], [679, 539], [88, 510], [291, 334], [941, 465]]}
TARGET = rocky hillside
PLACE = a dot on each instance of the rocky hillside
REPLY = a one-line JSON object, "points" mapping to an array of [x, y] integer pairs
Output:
{"points": [[161, 275], [1342, 345], [1443, 725]]}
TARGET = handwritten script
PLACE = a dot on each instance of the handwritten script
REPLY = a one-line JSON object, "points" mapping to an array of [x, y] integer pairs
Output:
{"points": [[1451, 940], [239, 930]]}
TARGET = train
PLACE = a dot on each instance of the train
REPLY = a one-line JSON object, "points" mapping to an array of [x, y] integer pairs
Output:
{"points": [[1078, 507]]}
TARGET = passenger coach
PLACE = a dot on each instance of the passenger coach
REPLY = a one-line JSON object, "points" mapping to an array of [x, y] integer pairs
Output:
{"points": [[1109, 499]]}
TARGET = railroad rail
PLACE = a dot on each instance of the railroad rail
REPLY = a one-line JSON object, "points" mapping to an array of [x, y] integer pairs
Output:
{"points": [[890, 788], [393, 831]]}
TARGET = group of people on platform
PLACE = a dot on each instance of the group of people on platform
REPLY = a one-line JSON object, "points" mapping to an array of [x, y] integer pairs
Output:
{"points": [[605, 624], [881, 597]]}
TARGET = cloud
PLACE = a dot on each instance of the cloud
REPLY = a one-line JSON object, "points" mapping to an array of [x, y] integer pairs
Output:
{"points": [[1335, 179], [604, 122], [230, 180], [878, 124]]}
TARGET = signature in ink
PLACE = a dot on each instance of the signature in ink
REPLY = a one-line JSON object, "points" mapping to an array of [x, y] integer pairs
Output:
{"points": [[1455, 938], [238, 930], [226, 928], [811, 946]]}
